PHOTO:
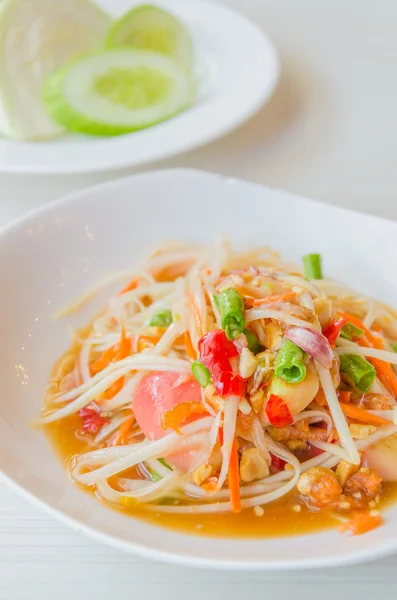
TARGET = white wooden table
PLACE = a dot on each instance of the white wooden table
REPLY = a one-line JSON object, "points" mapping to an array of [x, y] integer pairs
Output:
{"points": [[330, 132]]}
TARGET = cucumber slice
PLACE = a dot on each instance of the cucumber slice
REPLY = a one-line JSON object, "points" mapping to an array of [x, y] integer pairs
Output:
{"points": [[116, 91], [36, 38], [150, 28]]}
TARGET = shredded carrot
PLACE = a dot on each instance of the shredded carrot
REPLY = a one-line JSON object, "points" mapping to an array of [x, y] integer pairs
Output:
{"points": [[128, 288], [383, 369], [344, 397], [234, 480], [358, 414], [197, 316], [114, 389], [190, 351], [361, 522], [124, 431], [147, 341], [124, 346], [177, 416], [103, 361]]}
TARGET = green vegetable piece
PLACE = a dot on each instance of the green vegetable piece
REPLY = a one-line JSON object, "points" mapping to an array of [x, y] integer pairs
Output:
{"points": [[253, 342], [231, 308], [351, 332], [290, 366], [201, 373], [394, 346], [161, 319], [151, 28], [312, 266], [155, 476], [359, 371], [116, 91]]}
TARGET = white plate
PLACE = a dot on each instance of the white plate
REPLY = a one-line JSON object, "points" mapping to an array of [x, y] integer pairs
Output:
{"points": [[237, 69], [75, 241]]}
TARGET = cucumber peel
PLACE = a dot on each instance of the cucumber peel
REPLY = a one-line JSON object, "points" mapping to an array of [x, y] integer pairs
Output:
{"points": [[149, 27], [116, 91]]}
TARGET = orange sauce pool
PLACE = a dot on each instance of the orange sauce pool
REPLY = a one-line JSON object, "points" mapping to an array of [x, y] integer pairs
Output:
{"points": [[279, 518]]}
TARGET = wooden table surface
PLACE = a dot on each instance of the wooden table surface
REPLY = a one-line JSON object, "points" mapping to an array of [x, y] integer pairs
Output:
{"points": [[329, 132]]}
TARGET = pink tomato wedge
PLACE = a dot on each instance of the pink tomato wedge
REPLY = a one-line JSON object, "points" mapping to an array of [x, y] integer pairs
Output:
{"points": [[157, 394]]}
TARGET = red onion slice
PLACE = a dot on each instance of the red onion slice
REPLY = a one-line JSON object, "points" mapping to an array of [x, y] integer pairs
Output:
{"points": [[313, 342]]}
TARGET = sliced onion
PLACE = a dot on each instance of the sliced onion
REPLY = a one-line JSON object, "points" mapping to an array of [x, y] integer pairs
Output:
{"points": [[313, 342]]}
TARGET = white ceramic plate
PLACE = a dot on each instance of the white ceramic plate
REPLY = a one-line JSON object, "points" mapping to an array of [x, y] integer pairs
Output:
{"points": [[236, 68], [48, 257]]}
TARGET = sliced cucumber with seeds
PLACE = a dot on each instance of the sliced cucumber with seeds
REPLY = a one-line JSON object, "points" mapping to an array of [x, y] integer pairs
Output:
{"points": [[116, 91], [150, 28]]}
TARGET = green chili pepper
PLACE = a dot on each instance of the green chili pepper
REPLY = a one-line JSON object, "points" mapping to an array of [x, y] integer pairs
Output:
{"points": [[201, 373], [253, 342], [312, 266], [231, 308], [161, 319], [351, 332], [290, 366], [359, 370]]}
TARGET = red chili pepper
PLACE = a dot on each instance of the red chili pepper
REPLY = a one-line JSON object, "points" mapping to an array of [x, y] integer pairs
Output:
{"points": [[215, 353], [332, 330], [92, 421], [278, 412]]}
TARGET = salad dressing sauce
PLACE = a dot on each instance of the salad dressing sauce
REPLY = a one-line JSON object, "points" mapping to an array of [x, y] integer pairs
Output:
{"points": [[280, 517]]}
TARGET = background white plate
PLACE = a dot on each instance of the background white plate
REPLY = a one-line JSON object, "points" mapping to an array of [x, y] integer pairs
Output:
{"points": [[75, 241], [237, 69]]}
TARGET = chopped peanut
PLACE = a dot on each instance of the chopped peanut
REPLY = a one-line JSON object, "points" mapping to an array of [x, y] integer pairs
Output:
{"points": [[253, 466], [257, 400], [361, 432], [201, 474], [247, 364], [258, 511], [296, 445], [344, 470]]}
